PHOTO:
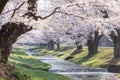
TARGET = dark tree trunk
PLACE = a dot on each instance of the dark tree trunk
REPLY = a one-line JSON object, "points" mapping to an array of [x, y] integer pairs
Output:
{"points": [[116, 41], [58, 44], [8, 35], [90, 46], [48, 45], [5, 52], [117, 48], [51, 45], [94, 43], [78, 47], [2, 5]]}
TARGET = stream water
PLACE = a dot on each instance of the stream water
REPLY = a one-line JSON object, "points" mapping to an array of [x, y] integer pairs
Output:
{"points": [[74, 71]]}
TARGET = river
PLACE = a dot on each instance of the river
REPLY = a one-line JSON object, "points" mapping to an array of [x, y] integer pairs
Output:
{"points": [[74, 71]]}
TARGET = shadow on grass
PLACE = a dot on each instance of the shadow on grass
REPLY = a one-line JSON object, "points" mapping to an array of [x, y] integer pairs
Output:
{"points": [[30, 63], [65, 48], [19, 57], [79, 60], [114, 65], [18, 51], [76, 52], [85, 58]]}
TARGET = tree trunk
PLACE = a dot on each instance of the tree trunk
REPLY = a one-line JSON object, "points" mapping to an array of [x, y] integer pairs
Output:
{"points": [[48, 45], [51, 45], [116, 40], [90, 46], [117, 48], [94, 43], [8, 35], [2, 5], [78, 47], [5, 52], [58, 46]]}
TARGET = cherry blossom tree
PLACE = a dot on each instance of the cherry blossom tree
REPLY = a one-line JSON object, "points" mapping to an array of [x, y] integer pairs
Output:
{"points": [[53, 37], [114, 33], [19, 17], [88, 11], [93, 12]]}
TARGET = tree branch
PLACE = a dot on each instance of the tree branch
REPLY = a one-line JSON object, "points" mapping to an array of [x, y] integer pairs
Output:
{"points": [[30, 14], [49, 14], [70, 14], [2, 5], [17, 9], [13, 9]]}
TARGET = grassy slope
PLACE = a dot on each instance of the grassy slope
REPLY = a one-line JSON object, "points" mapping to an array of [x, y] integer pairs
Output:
{"points": [[32, 67], [101, 59]]}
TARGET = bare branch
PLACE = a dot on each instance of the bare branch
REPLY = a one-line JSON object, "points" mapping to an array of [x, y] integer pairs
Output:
{"points": [[49, 14], [13, 9], [8, 11], [69, 14], [17, 9], [30, 14]]}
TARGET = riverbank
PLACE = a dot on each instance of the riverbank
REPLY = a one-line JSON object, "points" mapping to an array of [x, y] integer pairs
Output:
{"points": [[76, 72], [102, 59], [31, 67]]}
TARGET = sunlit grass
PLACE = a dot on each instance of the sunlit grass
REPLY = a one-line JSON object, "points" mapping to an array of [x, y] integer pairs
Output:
{"points": [[101, 59]]}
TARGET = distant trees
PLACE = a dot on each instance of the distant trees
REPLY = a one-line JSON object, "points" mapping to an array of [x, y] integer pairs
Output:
{"points": [[53, 38], [50, 39], [86, 34], [93, 43], [98, 14]]}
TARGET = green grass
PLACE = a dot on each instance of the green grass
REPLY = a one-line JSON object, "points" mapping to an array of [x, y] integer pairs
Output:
{"points": [[101, 59], [2, 79], [34, 68]]}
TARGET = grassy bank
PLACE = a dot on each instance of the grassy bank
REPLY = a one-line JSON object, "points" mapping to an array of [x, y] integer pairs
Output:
{"points": [[31, 67], [102, 59]]}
